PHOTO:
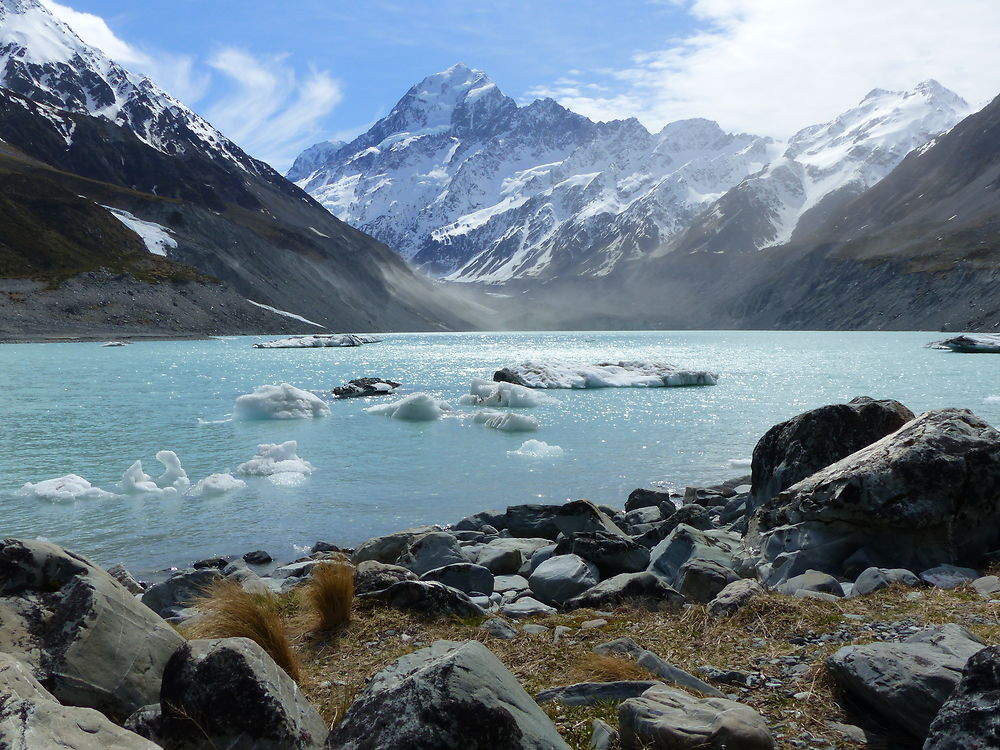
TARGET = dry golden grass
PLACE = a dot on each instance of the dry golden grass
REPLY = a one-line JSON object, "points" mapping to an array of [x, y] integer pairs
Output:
{"points": [[608, 668], [230, 612], [330, 594]]}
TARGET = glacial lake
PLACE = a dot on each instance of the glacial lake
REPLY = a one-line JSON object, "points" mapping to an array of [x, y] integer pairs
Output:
{"points": [[90, 410]]}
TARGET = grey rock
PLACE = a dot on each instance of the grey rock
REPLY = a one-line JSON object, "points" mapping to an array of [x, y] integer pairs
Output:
{"points": [[812, 580], [646, 498], [819, 595], [948, 576], [734, 596], [467, 577], [725, 676], [537, 558], [300, 569], [426, 597], [526, 607], [969, 719], [562, 577], [602, 736], [499, 628], [874, 579], [640, 517], [487, 519], [211, 562], [510, 583], [372, 575], [702, 580], [612, 554], [793, 450], [549, 521], [72, 623], [248, 581], [228, 692], [429, 551], [668, 718], [926, 493], [988, 587], [532, 629], [906, 683], [449, 696], [644, 590], [179, 591], [506, 556], [686, 543], [674, 675], [387, 549], [589, 693], [625, 646], [257, 557], [120, 573]]}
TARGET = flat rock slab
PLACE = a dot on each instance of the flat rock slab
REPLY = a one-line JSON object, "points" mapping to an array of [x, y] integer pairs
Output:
{"points": [[588, 693]]}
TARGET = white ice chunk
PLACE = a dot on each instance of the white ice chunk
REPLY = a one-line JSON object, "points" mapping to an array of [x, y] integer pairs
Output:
{"points": [[319, 340], [971, 343], [992, 399], [174, 474], [537, 449], [272, 459], [216, 484], [137, 482], [605, 375], [65, 489], [489, 393], [739, 463], [417, 407], [509, 422], [280, 402]]}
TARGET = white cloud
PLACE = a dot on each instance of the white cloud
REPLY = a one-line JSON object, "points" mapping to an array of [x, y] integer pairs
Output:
{"points": [[775, 66], [269, 112], [95, 31]]}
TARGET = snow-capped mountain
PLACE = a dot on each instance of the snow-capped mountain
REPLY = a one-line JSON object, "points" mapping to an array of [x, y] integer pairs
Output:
{"points": [[460, 179], [824, 167]]}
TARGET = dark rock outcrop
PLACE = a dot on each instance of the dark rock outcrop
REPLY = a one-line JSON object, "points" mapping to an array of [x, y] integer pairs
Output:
{"points": [[611, 553], [969, 719], [426, 597], [549, 521], [643, 589]]}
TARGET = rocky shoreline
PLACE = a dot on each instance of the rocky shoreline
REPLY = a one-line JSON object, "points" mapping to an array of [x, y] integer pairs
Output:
{"points": [[839, 596]]}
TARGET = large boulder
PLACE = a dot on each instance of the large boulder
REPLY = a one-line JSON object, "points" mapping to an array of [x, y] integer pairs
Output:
{"points": [[227, 692], [734, 596], [562, 577], [875, 579], [688, 543], [645, 590], [87, 638], [386, 549], [702, 580], [906, 683], [670, 719], [506, 556], [371, 575], [467, 577], [448, 696], [176, 593], [969, 719], [427, 598], [611, 553], [926, 494], [791, 451], [429, 551], [549, 521], [32, 719]]}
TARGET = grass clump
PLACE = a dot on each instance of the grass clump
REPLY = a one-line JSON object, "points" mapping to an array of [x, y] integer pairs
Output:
{"points": [[608, 668], [227, 611], [330, 594]]}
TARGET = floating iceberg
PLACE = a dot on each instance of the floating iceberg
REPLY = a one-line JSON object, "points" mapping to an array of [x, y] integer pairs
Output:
{"points": [[365, 387], [319, 340], [605, 375], [115, 343], [490, 393], [174, 474], [537, 449], [65, 489], [985, 343], [417, 407], [740, 463], [137, 482], [280, 402], [216, 484], [505, 421], [279, 463]]}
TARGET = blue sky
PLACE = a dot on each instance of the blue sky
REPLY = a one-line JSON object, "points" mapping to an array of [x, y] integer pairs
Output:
{"points": [[278, 76]]}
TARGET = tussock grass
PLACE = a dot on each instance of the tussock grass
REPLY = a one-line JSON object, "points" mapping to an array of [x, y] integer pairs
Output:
{"points": [[608, 668], [329, 594], [227, 611]]}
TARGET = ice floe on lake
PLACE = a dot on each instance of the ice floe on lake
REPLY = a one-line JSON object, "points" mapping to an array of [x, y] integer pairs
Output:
{"points": [[970, 343], [137, 482], [67, 489], [636, 374], [173, 474], [417, 407], [537, 449], [277, 462], [991, 400], [280, 402], [319, 340], [490, 393], [505, 421], [740, 463], [216, 484]]}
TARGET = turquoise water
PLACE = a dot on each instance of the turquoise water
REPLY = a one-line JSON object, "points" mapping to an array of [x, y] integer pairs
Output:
{"points": [[85, 409]]}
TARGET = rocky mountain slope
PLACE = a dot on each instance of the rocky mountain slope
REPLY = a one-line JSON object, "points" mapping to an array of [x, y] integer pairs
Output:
{"points": [[234, 218]]}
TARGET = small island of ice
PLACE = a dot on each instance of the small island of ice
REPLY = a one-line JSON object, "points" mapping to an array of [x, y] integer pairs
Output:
{"points": [[279, 463], [137, 482], [319, 340], [67, 489], [417, 407], [280, 402], [537, 449], [979, 343], [173, 474], [505, 421], [605, 375], [216, 484], [489, 393]]}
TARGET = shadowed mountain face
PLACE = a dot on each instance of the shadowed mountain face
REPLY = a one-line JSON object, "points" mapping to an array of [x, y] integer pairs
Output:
{"points": [[230, 216]]}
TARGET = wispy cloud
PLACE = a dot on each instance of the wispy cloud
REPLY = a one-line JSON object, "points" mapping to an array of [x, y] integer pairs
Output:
{"points": [[773, 66]]}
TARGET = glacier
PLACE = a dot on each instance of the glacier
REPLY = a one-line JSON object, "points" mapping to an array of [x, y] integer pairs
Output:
{"points": [[605, 375]]}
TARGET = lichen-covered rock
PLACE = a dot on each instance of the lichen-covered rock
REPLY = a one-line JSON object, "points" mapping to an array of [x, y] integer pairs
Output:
{"points": [[372, 575], [665, 718], [644, 590], [791, 451], [969, 719], [449, 696], [925, 494], [86, 637], [227, 692]]}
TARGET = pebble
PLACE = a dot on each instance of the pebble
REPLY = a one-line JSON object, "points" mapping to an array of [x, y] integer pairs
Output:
{"points": [[591, 624], [533, 629]]}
